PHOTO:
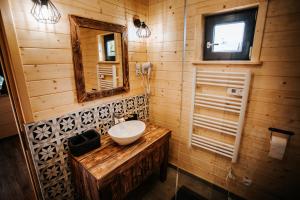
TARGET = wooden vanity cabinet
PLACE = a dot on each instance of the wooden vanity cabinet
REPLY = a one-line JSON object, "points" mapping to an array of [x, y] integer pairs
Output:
{"points": [[112, 171]]}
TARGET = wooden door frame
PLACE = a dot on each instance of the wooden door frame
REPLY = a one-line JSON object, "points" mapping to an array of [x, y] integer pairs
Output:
{"points": [[7, 65]]}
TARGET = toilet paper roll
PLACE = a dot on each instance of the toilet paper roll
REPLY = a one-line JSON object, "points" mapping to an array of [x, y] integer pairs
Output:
{"points": [[278, 146]]}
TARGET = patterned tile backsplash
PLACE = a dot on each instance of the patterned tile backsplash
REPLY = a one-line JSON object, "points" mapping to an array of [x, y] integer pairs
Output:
{"points": [[48, 141]]}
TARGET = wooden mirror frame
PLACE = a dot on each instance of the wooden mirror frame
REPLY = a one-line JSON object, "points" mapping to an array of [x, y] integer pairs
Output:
{"points": [[75, 23]]}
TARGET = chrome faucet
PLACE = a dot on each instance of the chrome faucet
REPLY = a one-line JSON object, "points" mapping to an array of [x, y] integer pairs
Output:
{"points": [[117, 118]]}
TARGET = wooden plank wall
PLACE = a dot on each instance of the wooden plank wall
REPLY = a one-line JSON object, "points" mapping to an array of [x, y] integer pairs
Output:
{"points": [[165, 53], [47, 57], [274, 97], [90, 57]]}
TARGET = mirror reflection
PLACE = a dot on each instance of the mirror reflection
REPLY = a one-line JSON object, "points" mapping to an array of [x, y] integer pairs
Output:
{"points": [[101, 59]]}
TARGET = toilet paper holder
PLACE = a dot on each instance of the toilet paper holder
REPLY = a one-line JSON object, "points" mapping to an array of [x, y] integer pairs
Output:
{"points": [[285, 132]]}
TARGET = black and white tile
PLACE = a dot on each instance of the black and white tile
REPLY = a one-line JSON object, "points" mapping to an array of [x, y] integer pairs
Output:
{"points": [[48, 141]]}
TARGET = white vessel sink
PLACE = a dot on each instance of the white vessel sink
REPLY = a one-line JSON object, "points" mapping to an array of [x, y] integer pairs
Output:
{"points": [[127, 132]]}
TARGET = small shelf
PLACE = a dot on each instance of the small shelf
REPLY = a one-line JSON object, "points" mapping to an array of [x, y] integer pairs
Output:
{"points": [[227, 62], [108, 62]]}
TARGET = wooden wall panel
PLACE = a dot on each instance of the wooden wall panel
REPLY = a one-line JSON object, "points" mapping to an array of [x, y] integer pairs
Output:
{"points": [[47, 57], [165, 52], [20, 92], [90, 57], [273, 101], [48, 71]]}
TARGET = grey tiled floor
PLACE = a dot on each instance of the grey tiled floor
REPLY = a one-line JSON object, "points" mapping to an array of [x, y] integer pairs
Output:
{"points": [[153, 189]]}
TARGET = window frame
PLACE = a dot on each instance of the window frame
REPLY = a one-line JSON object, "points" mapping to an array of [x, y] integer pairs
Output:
{"points": [[246, 15], [198, 42]]}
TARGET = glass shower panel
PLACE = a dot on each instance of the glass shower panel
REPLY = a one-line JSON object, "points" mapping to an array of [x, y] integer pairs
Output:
{"points": [[198, 172]]}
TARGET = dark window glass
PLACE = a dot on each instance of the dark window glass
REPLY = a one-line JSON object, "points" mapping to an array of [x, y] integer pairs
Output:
{"points": [[3, 88], [109, 47], [229, 36]]}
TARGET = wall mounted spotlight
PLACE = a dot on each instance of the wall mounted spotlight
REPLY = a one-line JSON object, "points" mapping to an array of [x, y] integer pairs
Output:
{"points": [[44, 11], [142, 29]]}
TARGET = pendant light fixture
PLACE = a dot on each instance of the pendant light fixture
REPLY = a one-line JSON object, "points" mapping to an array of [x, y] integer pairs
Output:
{"points": [[142, 29], [44, 11]]}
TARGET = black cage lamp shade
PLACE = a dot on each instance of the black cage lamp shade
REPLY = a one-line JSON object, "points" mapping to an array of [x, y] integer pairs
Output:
{"points": [[143, 30], [44, 11]]}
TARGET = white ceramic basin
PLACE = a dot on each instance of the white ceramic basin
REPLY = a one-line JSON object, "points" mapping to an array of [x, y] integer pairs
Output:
{"points": [[127, 132]]}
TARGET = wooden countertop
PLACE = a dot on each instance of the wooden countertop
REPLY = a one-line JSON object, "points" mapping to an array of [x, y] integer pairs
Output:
{"points": [[106, 159]]}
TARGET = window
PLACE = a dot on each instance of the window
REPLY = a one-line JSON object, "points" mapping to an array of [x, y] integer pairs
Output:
{"points": [[3, 89], [109, 47], [229, 36], [1, 82]]}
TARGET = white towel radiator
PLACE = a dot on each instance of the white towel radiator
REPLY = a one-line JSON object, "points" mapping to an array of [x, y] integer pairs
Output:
{"points": [[235, 86], [106, 83]]}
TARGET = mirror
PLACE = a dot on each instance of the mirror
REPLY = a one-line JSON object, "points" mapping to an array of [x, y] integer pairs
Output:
{"points": [[100, 58]]}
